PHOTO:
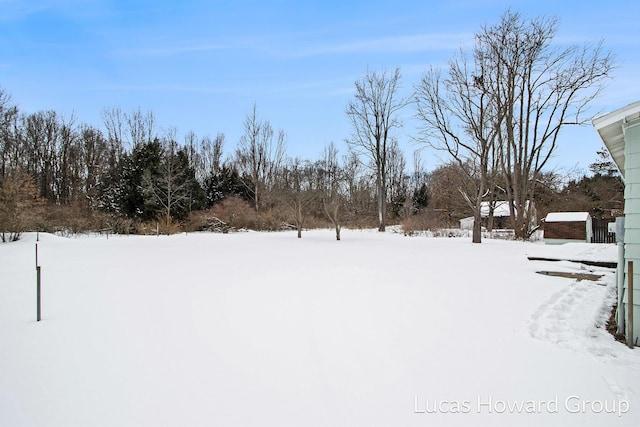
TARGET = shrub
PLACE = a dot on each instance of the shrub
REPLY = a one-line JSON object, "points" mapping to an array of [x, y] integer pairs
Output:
{"points": [[206, 221], [426, 220], [19, 206]]}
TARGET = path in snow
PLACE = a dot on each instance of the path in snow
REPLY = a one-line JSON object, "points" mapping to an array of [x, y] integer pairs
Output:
{"points": [[567, 318]]}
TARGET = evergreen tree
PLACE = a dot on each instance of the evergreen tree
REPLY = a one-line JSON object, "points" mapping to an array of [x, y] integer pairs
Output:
{"points": [[603, 165], [224, 183], [133, 199]]}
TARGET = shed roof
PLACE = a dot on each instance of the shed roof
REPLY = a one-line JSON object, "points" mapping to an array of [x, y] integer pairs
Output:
{"points": [[501, 208], [609, 127], [566, 217]]}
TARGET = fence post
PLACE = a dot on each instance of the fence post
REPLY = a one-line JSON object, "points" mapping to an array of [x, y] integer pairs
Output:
{"points": [[630, 304], [38, 296]]}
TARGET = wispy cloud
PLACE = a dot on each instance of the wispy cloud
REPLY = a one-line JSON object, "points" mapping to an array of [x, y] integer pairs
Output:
{"points": [[393, 44], [14, 9], [291, 47], [18, 9], [159, 88], [172, 50], [168, 48], [173, 47]]}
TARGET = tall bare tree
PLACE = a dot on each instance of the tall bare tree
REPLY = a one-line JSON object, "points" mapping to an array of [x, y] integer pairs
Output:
{"points": [[39, 138], [459, 118], [210, 156], [373, 114], [68, 168], [258, 156], [506, 106], [114, 123], [538, 88], [8, 143], [141, 127], [95, 155]]}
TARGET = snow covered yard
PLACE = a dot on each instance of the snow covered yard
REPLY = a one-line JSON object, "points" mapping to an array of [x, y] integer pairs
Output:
{"points": [[263, 329]]}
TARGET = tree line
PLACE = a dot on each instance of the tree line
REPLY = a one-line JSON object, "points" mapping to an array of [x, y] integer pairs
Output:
{"points": [[496, 111], [130, 173]]}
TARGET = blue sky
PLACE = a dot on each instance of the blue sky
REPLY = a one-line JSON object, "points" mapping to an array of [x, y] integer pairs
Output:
{"points": [[200, 65]]}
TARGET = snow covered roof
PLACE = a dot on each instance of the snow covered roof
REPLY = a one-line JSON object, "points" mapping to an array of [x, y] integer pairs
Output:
{"points": [[566, 216], [501, 209]]}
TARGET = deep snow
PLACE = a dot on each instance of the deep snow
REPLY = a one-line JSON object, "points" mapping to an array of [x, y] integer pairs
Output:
{"points": [[263, 329]]}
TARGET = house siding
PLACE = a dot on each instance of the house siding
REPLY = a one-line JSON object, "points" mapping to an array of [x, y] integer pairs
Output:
{"points": [[633, 175], [632, 215]]}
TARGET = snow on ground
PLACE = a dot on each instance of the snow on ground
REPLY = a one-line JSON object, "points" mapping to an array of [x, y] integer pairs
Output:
{"points": [[598, 252], [263, 329]]}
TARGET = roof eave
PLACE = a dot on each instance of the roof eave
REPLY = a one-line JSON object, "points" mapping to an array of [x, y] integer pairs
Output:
{"points": [[609, 127]]}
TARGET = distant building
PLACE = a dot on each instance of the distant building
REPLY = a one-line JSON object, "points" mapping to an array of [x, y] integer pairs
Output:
{"points": [[501, 216], [565, 227]]}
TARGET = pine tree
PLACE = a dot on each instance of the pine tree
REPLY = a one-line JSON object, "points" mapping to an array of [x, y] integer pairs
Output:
{"points": [[604, 164]]}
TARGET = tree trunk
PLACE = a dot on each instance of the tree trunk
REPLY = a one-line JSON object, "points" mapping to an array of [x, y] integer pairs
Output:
{"points": [[299, 217], [381, 202], [332, 214], [492, 207], [255, 198], [477, 227]]}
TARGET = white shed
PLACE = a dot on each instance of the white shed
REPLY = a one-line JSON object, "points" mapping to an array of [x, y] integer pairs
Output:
{"points": [[467, 223]]}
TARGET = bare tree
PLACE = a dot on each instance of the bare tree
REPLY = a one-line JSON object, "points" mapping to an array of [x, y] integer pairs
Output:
{"points": [[419, 191], [459, 118], [360, 195], [332, 187], [397, 178], [95, 160], [445, 200], [373, 114], [210, 156], [191, 147], [8, 142], [506, 107], [19, 205], [68, 170], [140, 127], [114, 123], [301, 191], [39, 137], [258, 156], [170, 188], [537, 88]]}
